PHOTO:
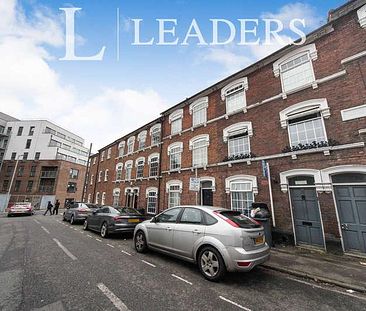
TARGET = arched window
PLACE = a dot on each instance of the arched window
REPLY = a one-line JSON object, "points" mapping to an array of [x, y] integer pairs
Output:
{"points": [[199, 146], [128, 168], [296, 69], [97, 198], [174, 189], [198, 110], [116, 196], [361, 13], [103, 198], [119, 168], [100, 176], [140, 163], [175, 120], [106, 175], [121, 148], [153, 165], [89, 198], [175, 155], [130, 144], [142, 139], [155, 133], [152, 200], [234, 95], [237, 137]]}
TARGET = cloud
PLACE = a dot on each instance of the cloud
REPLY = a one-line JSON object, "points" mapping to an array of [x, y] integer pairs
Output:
{"points": [[31, 88]]}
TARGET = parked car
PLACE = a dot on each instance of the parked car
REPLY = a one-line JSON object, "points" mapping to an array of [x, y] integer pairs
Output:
{"points": [[217, 239], [78, 211], [20, 208], [108, 220]]}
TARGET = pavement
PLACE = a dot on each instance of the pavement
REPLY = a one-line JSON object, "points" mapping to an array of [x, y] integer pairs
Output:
{"points": [[47, 264]]}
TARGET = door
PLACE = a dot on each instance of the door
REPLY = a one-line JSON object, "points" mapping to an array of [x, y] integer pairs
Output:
{"points": [[206, 193], [351, 205], [160, 232], [306, 214], [189, 229]]}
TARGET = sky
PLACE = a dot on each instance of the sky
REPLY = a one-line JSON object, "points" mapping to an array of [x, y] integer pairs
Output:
{"points": [[104, 100]]}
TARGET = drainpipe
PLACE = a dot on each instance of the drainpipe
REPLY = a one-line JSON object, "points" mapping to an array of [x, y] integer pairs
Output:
{"points": [[271, 195], [96, 178], [86, 172], [160, 193]]}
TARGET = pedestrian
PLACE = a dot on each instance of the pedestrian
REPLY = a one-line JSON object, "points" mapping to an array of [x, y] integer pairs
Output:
{"points": [[55, 209], [49, 208]]}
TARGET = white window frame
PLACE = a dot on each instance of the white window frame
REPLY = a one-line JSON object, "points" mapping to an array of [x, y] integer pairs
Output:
{"points": [[97, 198], [155, 131], [205, 139], [150, 190], [170, 149], [239, 85], [176, 116], [121, 149], [89, 197], [174, 183], [94, 160], [141, 138], [109, 152], [100, 176], [128, 170], [116, 194], [305, 108], [230, 130], [361, 13], [141, 159], [106, 173], [150, 158], [103, 198], [312, 53], [91, 179], [131, 145], [119, 171], [196, 108], [102, 156]]}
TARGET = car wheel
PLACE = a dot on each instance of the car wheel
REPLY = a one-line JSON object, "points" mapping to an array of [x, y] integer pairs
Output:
{"points": [[104, 230], [211, 264], [63, 217], [72, 220], [140, 242], [85, 227]]}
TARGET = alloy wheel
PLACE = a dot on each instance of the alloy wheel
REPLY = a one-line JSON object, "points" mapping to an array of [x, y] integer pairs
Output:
{"points": [[210, 263], [72, 220], [85, 227], [103, 230], [140, 241]]}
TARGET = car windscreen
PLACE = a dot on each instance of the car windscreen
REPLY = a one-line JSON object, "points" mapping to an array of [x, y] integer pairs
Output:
{"points": [[239, 219], [127, 211]]}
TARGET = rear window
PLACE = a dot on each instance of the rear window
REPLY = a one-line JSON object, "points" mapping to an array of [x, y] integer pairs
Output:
{"points": [[241, 220], [128, 211]]}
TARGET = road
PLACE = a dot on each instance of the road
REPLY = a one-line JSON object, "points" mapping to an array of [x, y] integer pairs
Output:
{"points": [[46, 264]]}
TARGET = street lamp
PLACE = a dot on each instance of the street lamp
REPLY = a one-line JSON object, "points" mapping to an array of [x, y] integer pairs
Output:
{"points": [[12, 178]]}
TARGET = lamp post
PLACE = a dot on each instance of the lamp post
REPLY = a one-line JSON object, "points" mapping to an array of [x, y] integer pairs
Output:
{"points": [[12, 179]]}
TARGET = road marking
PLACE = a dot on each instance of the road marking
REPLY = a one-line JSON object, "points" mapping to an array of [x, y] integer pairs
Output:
{"points": [[37, 221], [75, 229], [112, 297], [329, 289], [179, 278], [81, 232], [234, 303], [67, 252], [89, 236], [45, 230], [110, 245], [127, 253], [148, 263], [98, 240]]}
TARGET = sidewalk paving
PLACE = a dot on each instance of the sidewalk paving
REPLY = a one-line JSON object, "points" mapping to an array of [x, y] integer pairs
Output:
{"points": [[344, 271]]}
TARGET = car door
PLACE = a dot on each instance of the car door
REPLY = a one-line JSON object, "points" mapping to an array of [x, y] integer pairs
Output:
{"points": [[92, 218], [160, 230], [101, 217], [70, 210], [189, 228]]}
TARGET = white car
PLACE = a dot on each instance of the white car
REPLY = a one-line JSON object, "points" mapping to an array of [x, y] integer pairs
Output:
{"points": [[20, 208]]}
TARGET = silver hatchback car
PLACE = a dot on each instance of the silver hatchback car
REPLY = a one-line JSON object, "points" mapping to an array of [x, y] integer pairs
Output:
{"points": [[217, 239]]}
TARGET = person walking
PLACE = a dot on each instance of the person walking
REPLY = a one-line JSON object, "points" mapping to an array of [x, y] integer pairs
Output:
{"points": [[55, 209], [49, 208]]}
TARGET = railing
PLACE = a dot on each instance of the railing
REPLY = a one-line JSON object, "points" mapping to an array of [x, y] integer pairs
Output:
{"points": [[48, 174], [46, 189]]}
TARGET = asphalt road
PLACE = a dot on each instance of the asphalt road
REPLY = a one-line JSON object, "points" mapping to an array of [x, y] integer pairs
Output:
{"points": [[46, 264]]}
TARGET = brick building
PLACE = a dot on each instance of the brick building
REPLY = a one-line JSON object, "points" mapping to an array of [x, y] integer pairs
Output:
{"points": [[289, 131]]}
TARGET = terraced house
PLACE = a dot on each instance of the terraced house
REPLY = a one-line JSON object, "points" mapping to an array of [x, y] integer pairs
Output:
{"points": [[288, 130]]}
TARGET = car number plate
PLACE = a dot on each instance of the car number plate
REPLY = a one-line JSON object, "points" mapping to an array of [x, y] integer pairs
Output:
{"points": [[259, 240], [134, 220]]}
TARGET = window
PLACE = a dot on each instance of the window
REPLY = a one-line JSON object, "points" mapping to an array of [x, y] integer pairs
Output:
{"points": [[234, 95], [140, 163], [191, 216], [169, 216], [9, 171], [74, 173], [55, 143], [109, 152], [305, 121], [155, 133], [71, 187], [29, 186], [175, 120], [94, 160], [361, 13], [28, 144], [142, 139], [17, 185], [21, 171], [5, 185], [100, 176], [296, 68], [119, 168], [2, 129], [9, 129], [199, 146], [241, 189], [89, 198], [97, 198], [154, 165], [103, 198], [91, 179], [237, 137], [13, 155], [20, 131], [175, 154], [121, 149], [31, 131], [106, 175], [33, 170], [102, 156], [116, 196], [174, 189], [152, 200], [130, 144], [25, 156], [198, 110], [37, 156], [128, 167]]}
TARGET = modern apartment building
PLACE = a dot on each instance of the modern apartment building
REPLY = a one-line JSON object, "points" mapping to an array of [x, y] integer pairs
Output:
{"points": [[42, 162], [4, 134], [289, 130]]}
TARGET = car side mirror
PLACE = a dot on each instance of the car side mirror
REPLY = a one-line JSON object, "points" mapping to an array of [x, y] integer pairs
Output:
{"points": [[94, 212], [155, 219]]}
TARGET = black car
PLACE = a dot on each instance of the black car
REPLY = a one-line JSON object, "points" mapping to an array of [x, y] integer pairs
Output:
{"points": [[108, 220]]}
